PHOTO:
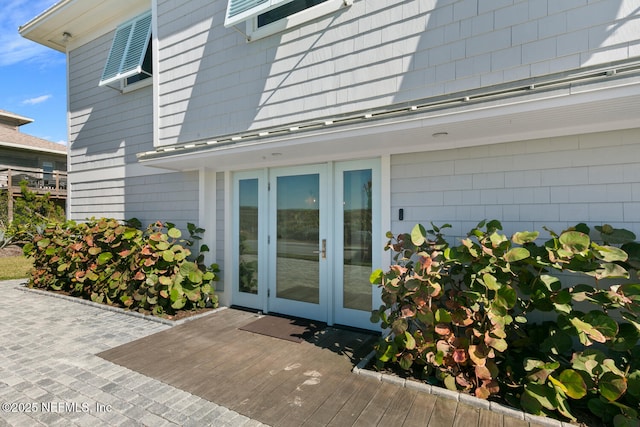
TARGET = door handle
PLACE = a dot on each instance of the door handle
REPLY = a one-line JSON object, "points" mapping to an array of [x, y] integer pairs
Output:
{"points": [[324, 249]]}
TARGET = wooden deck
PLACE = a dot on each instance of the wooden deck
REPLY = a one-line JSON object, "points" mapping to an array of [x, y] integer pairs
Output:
{"points": [[283, 383]]}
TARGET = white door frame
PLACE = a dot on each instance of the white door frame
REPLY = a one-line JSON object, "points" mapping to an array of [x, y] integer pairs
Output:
{"points": [[331, 230]]}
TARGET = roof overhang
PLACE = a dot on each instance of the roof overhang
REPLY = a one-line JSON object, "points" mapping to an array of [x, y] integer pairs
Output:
{"points": [[14, 119], [70, 23], [610, 101], [61, 152]]}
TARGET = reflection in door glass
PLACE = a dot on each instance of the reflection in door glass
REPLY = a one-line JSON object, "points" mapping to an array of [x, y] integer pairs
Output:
{"points": [[357, 239], [248, 236], [298, 234]]}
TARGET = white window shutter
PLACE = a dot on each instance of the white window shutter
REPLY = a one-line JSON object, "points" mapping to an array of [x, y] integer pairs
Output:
{"points": [[127, 49], [241, 10]]}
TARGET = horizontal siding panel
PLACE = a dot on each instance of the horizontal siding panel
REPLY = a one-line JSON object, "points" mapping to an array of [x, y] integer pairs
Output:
{"points": [[555, 190], [429, 47]]}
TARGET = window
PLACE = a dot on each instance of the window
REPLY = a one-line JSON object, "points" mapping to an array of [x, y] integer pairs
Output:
{"points": [[266, 17], [129, 59], [283, 11]]}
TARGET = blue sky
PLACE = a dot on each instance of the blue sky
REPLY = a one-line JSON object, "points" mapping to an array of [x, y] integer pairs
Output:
{"points": [[32, 77]]}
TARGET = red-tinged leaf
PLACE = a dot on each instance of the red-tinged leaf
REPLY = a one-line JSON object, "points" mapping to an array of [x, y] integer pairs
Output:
{"points": [[459, 355], [462, 381], [80, 274], [443, 329], [477, 355], [483, 373], [492, 386], [139, 276], [125, 253], [149, 262], [408, 311], [89, 239], [77, 246], [164, 294], [146, 250], [443, 347], [156, 237], [482, 393]]}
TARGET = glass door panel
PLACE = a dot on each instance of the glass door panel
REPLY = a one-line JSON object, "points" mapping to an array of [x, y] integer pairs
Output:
{"points": [[248, 236], [357, 222], [298, 236], [357, 225]]}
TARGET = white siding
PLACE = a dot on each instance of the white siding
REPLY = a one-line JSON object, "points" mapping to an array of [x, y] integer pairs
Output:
{"points": [[555, 182], [369, 55], [107, 130]]}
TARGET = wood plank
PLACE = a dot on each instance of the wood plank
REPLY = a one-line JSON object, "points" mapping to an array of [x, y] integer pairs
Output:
{"points": [[444, 412], [515, 422], [289, 384], [377, 406], [398, 408], [352, 409], [421, 410], [490, 419], [466, 416], [351, 386]]}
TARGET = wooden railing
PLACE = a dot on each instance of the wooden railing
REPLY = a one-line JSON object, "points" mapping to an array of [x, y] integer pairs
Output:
{"points": [[39, 181]]}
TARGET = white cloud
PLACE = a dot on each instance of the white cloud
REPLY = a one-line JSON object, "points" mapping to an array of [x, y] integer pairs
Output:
{"points": [[36, 100], [13, 47]]}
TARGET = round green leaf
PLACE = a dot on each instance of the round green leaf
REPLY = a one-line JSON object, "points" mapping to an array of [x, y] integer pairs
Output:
{"points": [[418, 235], [543, 394], [516, 254], [575, 241], [506, 297], [573, 383], [626, 338], [612, 386], [442, 316], [95, 250], [633, 384], [405, 361], [608, 253], [603, 323], [376, 277], [174, 233], [168, 255], [491, 282], [409, 341], [179, 303], [387, 351], [523, 237], [104, 258]]}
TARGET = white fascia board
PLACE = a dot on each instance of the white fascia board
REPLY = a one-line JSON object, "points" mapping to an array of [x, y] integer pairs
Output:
{"points": [[27, 148]]}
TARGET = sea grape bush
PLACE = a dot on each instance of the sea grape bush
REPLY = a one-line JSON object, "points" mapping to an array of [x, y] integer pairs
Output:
{"points": [[150, 271], [461, 316]]}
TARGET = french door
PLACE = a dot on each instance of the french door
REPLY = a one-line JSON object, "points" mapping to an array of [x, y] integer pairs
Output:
{"points": [[298, 242], [304, 240]]}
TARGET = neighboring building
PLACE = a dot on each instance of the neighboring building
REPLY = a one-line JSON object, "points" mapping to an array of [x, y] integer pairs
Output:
{"points": [[302, 131], [42, 163]]}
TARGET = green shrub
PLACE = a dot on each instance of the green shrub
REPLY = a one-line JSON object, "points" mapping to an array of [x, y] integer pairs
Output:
{"points": [[31, 213], [461, 316], [118, 264]]}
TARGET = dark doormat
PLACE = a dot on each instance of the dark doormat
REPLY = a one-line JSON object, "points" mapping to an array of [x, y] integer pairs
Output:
{"points": [[285, 328]]}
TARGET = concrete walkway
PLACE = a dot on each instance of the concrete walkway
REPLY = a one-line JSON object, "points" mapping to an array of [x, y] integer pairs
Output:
{"points": [[50, 374]]}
